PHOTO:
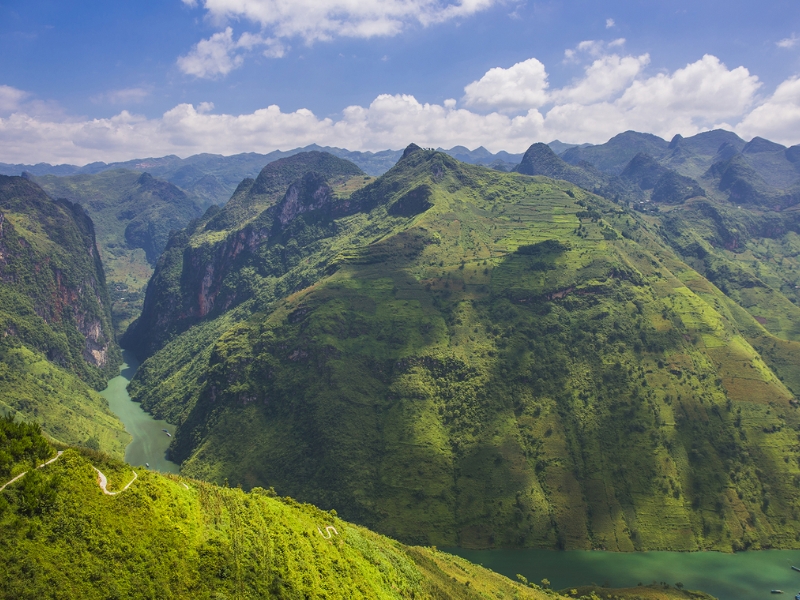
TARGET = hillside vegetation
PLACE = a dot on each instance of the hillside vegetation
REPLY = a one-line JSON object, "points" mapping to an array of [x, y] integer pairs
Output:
{"points": [[454, 355], [57, 344], [133, 214], [171, 537]]}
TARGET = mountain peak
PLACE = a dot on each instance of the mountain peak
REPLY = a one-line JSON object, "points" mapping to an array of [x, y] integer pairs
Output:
{"points": [[675, 141], [410, 149], [758, 145]]}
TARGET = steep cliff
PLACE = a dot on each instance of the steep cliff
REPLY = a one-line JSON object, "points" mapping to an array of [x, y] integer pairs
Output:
{"points": [[54, 316], [201, 270], [134, 214]]}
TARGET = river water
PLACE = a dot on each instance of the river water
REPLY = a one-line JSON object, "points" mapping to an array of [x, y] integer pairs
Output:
{"points": [[150, 441], [740, 576]]}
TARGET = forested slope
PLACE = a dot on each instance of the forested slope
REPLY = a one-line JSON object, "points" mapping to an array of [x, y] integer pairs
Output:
{"points": [[454, 355]]}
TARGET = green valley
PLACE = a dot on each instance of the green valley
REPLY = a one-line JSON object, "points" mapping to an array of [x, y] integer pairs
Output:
{"points": [[567, 356], [133, 214]]}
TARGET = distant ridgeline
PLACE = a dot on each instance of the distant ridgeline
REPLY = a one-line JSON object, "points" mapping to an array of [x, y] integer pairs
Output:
{"points": [[452, 354], [56, 342], [212, 178]]}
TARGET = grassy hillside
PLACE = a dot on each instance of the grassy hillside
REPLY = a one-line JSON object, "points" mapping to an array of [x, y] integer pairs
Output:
{"points": [[133, 214], [454, 355], [57, 342], [172, 537]]}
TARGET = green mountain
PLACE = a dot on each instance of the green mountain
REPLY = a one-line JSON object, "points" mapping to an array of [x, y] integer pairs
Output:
{"points": [[616, 153], [693, 156], [171, 537], [454, 355], [665, 185], [741, 183], [133, 214], [215, 249], [776, 165], [541, 160], [57, 342], [212, 178]]}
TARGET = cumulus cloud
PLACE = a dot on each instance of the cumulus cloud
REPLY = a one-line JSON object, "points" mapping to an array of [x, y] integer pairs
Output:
{"points": [[220, 54], [522, 86], [506, 109], [10, 98], [212, 57], [700, 96], [593, 48], [604, 78], [315, 20], [610, 23], [789, 42], [778, 118], [310, 20], [705, 89]]}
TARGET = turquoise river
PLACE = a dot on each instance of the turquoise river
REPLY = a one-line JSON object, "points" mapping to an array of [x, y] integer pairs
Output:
{"points": [[150, 439], [740, 576]]}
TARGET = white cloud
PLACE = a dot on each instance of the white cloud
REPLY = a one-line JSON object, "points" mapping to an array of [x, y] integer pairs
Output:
{"points": [[520, 87], [592, 48], [123, 96], [604, 78], [220, 54], [789, 42], [610, 23], [10, 98], [702, 95], [212, 57], [311, 20], [315, 20], [778, 118], [705, 89], [614, 94]]}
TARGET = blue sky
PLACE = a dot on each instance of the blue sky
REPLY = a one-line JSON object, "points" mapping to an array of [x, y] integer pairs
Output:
{"points": [[91, 80]]}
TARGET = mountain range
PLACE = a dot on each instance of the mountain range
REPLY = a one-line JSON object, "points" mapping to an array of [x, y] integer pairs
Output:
{"points": [[592, 346], [212, 178], [455, 355]]}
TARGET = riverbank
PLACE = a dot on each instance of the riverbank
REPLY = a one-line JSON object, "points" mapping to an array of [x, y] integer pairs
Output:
{"points": [[150, 439]]}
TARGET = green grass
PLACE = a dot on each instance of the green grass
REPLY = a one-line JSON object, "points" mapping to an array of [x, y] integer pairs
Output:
{"points": [[175, 537], [32, 388]]}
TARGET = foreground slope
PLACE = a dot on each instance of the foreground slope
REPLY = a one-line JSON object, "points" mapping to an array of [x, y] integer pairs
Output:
{"points": [[57, 343], [484, 359], [169, 537]]}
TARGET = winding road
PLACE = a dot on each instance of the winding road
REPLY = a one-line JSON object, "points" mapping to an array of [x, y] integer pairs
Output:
{"points": [[21, 475], [102, 480]]}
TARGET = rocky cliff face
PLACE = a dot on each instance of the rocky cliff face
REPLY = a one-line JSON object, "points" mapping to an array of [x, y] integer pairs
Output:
{"points": [[200, 273], [55, 298]]}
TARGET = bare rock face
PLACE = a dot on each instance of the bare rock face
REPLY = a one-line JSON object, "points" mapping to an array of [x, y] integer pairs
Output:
{"points": [[309, 193], [195, 281]]}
